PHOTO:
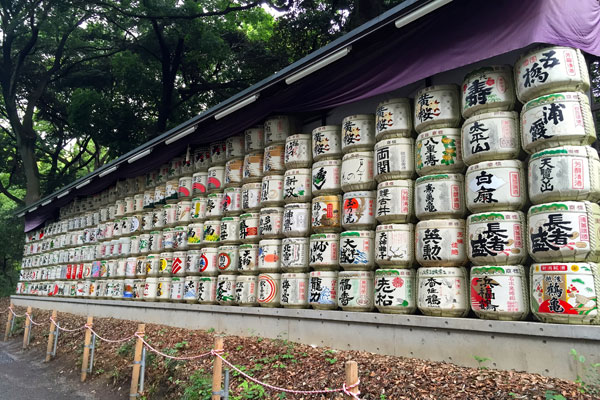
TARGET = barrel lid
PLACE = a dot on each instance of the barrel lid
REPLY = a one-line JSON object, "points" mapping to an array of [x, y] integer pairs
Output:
{"points": [[361, 193], [246, 278], [438, 132], [275, 146], [267, 242], [253, 185], [209, 250], [395, 271], [587, 268], [396, 182], [495, 164], [566, 151], [357, 154], [397, 141], [440, 177], [490, 68], [324, 274], [200, 173], [215, 167], [554, 97], [442, 271], [355, 117], [498, 270], [212, 221], [514, 216], [269, 275], [249, 246], [324, 128], [273, 178], [441, 223], [564, 206], [355, 274], [250, 215], [269, 210], [435, 88], [325, 163], [230, 219], [297, 206], [297, 136], [395, 227], [298, 171], [328, 236], [362, 234], [326, 198], [228, 248], [294, 275]]}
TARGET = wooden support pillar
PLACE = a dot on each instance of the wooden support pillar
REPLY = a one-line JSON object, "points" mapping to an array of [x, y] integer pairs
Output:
{"points": [[86, 349], [27, 328], [135, 375], [217, 370], [51, 337], [8, 323], [351, 378]]}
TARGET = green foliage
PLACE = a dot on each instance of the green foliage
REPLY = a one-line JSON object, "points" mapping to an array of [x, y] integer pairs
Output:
{"points": [[250, 391], [480, 361], [11, 230], [552, 395], [125, 350], [200, 386], [589, 382]]}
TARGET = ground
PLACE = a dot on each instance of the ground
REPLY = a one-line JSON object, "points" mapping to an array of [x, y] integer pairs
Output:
{"points": [[277, 362]]}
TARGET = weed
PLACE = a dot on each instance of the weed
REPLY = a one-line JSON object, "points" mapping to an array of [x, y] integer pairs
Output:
{"points": [[181, 345], [259, 339], [115, 375], [242, 368], [211, 330], [331, 360], [279, 365], [125, 349], [251, 391], [552, 395], [238, 348], [382, 397], [199, 388], [329, 352], [480, 361], [590, 381]]}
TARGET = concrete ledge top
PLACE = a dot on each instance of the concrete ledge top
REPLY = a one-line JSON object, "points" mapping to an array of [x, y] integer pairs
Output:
{"points": [[526, 328]]}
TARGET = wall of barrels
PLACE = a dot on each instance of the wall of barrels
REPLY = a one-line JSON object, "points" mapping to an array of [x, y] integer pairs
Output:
{"points": [[502, 220]]}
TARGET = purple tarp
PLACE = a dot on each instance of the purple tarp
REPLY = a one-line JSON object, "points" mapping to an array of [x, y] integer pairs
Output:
{"points": [[458, 34]]}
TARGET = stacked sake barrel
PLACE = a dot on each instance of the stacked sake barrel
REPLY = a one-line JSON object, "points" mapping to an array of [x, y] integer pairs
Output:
{"points": [[440, 250], [564, 185], [495, 188]]}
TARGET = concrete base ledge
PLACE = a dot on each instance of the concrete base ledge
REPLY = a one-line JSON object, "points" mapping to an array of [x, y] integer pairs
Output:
{"points": [[519, 345]]}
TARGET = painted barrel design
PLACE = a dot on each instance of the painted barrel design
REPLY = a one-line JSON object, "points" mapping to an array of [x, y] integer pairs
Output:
{"points": [[323, 290], [185, 187], [163, 289], [358, 133], [437, 107], [228, 259], [207, 290], [195, 233], [272, 190], [295, 254], [395, 245], [147, 219], [565, 293], [245, 290], [208, 261], [178, 264], [251, 196], [212, 232], [249, 226], [269, 285], [357, 250], [545, 70], [355, 290], [166, 263], [395, 201], [170, 214], [294, 290], [232, 201], [393, 118], [174, 170], [226, 289], [326, 177], [215, 205], [248, 256], [177, 289], [557, 119], [234, 172], [324, 254], [277, 128], [184, 212], [198, 210], [564, 173], [254, 139], [171, 188], [395, 291], [491, 136], [271, 223], [298, 151], [253, 167], [190, 289], [296, 220], [496, 185], [438, 151], [150, 288], [152, 265], [357, 171], [497, 238], [394, 159], [487, 89], [297, 185], [269, 255], [273, 163], [564, 231], [358, 210], [168, 239], [200, 183], [440, 196], [155, 242], [230, 230], [192, 262], [326, 214], [326, 143], [218, 153], [440, 242], [216, 178], [499, 292], [443, 292], [234, 147]]}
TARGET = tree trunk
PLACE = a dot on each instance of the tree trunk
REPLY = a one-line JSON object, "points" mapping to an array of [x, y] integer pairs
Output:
{"points": [[26, 147]]}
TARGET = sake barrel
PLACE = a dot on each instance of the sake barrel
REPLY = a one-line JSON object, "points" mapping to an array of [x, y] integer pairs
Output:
{"points": [[324, 253], [358, 133], [326, 214], [207, 290], [251, 196], [294, 254], [393, 119], [254, 139], [326, 143], [178, 264], [170, 214], [438, 151], [233, 172], [226, 289], [437, 107], [544, 70], [355, 290], [233, 201], [440, 196], [496, 185], [174, 170], [272, 191], [137, 289], [249, 225], [297, 185], [158, 218], [163, 290], [486, 89], [443, 292], [269, 285], [198, 210], [166, 263], [155, 242], [177, 289], [168, 238], [499, 292], [557, 119], [138, 204], [298, 151], [147, 220], [497, 238], [271, 223], [358, 210], [129, 209], [277, 128], [269, 255], [252, 168], [215, 205], [395, 201], [326, 177], [208, 261], [394, 159], [184, 212], [357, 171], [395, 291], [130, 268], [357, 250], [218, 153], [216, 178], [200, 183], [395, 245], [228, 259], [230, 230], [245, 290], [140, 267], [440, 243], [491, 136], [150, 289], [564, 231], [296, 220], [192, 262], [135, 224], [234, 147], [248, 256], [294, 290], [185, 187], [152, 264], [565, 293], [564, 173], [323, 290], [273, 163], [171, 188], [120, 204], [190, 289], [195, 233], [212, 232]]}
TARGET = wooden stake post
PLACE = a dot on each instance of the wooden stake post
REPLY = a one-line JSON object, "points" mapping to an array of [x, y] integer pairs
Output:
{"points": [[27, 328], [351, 377], [8, 322], [86, 349], [217, 370], [135, 375], [51, 336]]}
